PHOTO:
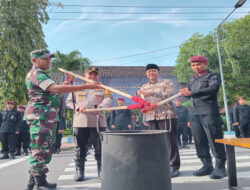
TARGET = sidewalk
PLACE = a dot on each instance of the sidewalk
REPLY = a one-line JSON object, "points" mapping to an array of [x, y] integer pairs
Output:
{"points": [[67, 143]]}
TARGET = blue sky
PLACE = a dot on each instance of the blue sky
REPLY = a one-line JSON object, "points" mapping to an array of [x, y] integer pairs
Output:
{"points": [[155, 41]]}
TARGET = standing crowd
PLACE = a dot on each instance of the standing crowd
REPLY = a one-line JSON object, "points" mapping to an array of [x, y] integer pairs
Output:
{"points": [[41, 127]]}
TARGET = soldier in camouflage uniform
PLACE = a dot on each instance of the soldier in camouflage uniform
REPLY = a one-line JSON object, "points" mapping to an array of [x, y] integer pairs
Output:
{"points": [[42, 115], [164, 117]]}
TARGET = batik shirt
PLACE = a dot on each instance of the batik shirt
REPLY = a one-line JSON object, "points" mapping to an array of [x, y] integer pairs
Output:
{"points": [[161, 89]]}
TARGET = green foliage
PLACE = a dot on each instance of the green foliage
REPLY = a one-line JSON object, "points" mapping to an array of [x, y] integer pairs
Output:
{"points": [[20, 33], [72, 61], [235, 44], [67, 132]]}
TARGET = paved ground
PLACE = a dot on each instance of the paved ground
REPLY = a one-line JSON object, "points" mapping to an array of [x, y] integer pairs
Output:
{"points": [[14, 175]]}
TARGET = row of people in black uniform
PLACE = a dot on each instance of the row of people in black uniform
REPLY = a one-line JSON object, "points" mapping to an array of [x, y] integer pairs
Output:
{"points": [[15, 134]]}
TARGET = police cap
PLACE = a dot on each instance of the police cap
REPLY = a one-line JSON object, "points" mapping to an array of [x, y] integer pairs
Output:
{"points": [[92, 69]]}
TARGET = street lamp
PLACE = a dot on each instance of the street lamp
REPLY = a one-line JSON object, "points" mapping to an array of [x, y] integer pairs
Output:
{"points": [[237, 5]]}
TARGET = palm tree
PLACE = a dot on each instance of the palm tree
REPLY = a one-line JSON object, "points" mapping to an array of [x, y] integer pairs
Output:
{"points": [[72, 61]]}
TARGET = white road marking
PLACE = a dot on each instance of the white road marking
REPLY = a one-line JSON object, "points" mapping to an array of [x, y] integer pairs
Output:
{"points": [[13, 162], [87, 185]]}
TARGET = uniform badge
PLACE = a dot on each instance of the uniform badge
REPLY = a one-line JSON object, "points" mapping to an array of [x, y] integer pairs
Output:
{"points": [[80, 96]]}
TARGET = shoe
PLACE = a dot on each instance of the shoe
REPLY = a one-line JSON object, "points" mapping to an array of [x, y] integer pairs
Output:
{"points": [[31, 183], [206, 169], [4, 156], [218, 173], [220, 170], [79, 173], [12, 156], [17, 153], [174, 172], [42, 184], [185, 146]]}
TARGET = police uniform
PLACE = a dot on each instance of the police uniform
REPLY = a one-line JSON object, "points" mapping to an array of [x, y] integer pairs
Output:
{"points": [[84, 124], [242, 116], [206, 121], [121, 118], [9, 124], [232, 119], [182, 129], [23, 137]]}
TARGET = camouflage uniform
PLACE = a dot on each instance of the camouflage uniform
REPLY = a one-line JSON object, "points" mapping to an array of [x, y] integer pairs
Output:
{"points": [[163, 117], [41, 115]]}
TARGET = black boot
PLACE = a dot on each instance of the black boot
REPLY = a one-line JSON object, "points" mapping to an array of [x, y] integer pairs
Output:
{"points": [[42, 184], [206, 169], [18, 153], [4, 156], [79, 174], [25, 152], [185, 145], [31, 183], [220, 170], [12, 155], [99, 168]]}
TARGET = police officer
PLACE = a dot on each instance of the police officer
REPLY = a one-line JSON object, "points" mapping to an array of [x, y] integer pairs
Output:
{"points": [[242, 117], [9, 127], [232, 119], [182, 124], [84, 124], [206, 121], [121, 119], [23, 136], [42, 115]]}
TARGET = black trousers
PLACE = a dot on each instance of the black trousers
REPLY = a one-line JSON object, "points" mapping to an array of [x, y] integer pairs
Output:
{"points": [[82, 136], [58, 140], [205, 129], [182, 131], [22, 140], [237, 131], [8, 142], [171, 140], [190, 136], [244, 130]]}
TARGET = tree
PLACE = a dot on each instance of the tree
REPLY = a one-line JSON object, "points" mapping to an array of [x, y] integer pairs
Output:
{"points": [[235, 45], [20, 33], [72, 61]]}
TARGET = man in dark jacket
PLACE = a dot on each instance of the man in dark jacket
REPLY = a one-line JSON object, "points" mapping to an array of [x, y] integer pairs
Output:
{"points": [[182, 124], [232, 119], [121, 119], [242, 117], [206, 121], [9, 126], [23, 137]]}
